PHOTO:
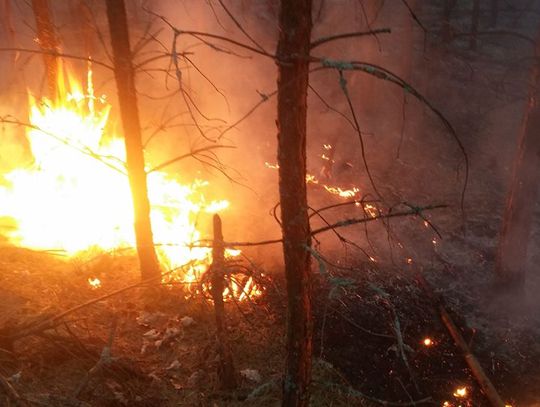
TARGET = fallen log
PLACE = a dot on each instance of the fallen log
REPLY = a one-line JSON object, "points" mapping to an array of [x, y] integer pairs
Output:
{"points": [[472, 362]]}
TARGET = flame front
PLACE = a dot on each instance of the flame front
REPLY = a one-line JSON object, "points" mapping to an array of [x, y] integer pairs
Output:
{"points": [[75, 194]]}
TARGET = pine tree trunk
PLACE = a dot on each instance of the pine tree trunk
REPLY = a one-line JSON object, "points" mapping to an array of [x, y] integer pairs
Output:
{"points": [[48, 42], [127, 97], [520, 204], [293, 66]]}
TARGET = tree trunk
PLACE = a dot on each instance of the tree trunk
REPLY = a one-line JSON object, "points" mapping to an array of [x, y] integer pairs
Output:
{"points": [[226, 374], [520, 204], [127, 97], [293, 76], [48, 42]]}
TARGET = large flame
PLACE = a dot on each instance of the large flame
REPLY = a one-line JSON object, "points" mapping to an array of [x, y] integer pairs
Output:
{"points": [[75, 194]]}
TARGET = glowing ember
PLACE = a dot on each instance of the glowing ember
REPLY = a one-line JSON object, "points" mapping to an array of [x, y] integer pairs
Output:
{"points": [[94, 282], [460, 392], [371, 210], [75, 195], [409, 261], [427, 342]]}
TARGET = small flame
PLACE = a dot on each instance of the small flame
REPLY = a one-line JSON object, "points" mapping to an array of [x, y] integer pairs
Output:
{"points": [[461, 392], [409, 261], [94, 282], [312, 179], [427, 342], [371, 210]]}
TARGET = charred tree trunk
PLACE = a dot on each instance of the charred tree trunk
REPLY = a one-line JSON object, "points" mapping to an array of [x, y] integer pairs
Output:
{"points": [[226, 372], [48, 42], [127, 97], [520, 204], [293, 76]]}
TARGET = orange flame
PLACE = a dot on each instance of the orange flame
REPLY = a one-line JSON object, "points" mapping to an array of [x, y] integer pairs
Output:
{"points": [[76, 194]]}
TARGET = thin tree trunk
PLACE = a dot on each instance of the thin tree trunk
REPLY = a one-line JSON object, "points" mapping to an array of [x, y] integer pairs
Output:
{"points": [[127, 97], [519, 211], [293, 76], [48, 42], [226, 374]]}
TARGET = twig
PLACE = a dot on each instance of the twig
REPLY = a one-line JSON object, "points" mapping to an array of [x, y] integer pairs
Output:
{"points": [[53, 321], [324, 40]]}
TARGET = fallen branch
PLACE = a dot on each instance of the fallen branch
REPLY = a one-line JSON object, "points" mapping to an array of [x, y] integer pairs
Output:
{"points": [[54, 320], [475, 367]]}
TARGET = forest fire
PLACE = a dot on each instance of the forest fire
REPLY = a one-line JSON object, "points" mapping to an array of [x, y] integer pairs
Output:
{"points": [[75, 195]]}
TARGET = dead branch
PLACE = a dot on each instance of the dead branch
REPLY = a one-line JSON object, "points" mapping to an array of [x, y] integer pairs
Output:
{"points": [[384, 74], [355, 34], [226, 371], [347, 222], [57, 54], [54, 320], [471, 360], [192, 153], [235, 21]]}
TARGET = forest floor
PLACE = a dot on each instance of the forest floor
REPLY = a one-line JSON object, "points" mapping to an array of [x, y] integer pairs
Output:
{"points": [[369, 345], [370, 322]]}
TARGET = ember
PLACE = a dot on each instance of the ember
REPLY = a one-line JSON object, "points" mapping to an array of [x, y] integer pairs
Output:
{"points": [[427, 342], [461, 392], [94, 282]]}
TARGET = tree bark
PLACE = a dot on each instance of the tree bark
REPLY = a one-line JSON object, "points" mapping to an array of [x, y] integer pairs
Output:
{"points": [[293, 76], [519, 211], [48, 42], [226, 374], [127, 97]]}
